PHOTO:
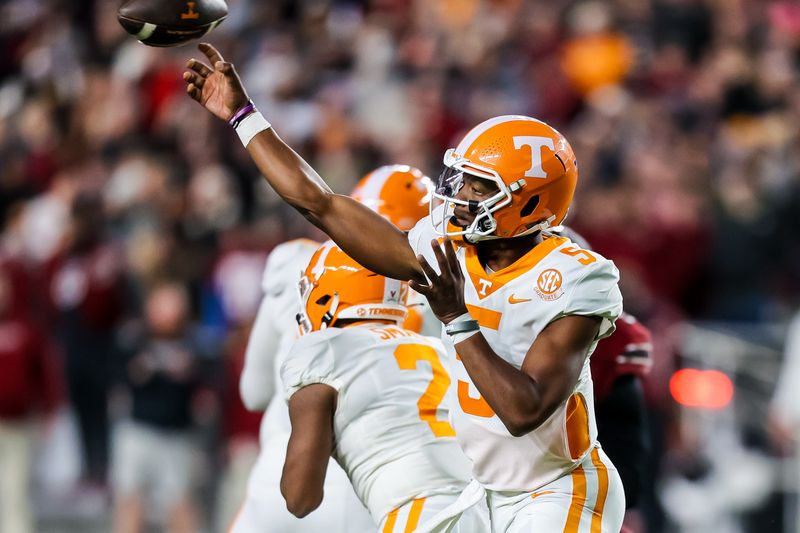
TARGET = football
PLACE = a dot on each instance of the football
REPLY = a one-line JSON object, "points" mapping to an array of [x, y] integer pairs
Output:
{"points": [[170, 22]]}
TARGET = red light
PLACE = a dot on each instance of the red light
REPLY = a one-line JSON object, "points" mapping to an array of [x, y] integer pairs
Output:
{"points": [[705, 389]]}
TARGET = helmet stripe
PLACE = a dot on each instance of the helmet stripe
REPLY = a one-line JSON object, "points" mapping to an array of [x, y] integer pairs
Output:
{"points": [[465, 144], [319, 267], [378, 178]]}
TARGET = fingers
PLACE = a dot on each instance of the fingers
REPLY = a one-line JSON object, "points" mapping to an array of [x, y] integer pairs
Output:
{"points": [[419, 287], [450, 253], [440, 257], [427, 268], [194, 78], [193, 91], [216, 59], [224, 67], [211, 53], [199, 67], [214, 56]]}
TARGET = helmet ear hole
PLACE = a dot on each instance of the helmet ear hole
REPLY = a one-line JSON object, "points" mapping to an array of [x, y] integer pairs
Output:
{"points": [[322, 300], [529, 206]]}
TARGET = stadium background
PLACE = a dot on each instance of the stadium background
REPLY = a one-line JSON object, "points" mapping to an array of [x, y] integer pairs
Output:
{"points": [[684, 115]]}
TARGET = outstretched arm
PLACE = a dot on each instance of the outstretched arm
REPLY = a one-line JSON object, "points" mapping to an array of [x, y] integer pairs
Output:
{"points": [[364, 235]]}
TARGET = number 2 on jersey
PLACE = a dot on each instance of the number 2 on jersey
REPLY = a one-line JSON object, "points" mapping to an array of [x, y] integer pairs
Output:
{"points": [[407, 356]]}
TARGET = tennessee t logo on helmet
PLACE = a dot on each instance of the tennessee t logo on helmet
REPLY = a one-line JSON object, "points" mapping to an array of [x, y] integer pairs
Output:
{"points": [[533, 167]]}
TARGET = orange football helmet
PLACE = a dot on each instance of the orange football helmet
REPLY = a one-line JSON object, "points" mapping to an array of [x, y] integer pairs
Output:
{"points": [[533, 167], [400, 193], [334, 287]]}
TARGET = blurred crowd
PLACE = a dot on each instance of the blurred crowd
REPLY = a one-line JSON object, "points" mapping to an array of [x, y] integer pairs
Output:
{"points": [[134, 227]]}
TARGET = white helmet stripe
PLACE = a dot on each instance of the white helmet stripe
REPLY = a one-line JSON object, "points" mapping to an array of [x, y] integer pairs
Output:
{"points": [[377, 179], [318, 268], [465, 144]]}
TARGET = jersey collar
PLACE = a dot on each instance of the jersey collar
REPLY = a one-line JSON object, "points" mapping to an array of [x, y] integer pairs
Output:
{"points": [[485, 284]]}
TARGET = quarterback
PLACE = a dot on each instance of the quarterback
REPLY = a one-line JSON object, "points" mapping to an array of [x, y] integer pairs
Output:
{"points": [[523, 309]]}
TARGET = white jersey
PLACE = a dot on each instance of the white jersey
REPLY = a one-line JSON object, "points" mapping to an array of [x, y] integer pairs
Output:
{"points": [[273, 332], [512, 306], [393, 437]]}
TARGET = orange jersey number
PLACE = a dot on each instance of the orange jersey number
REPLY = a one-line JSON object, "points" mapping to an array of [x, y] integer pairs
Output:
{"points": [[585, 258], [472, 406], [407, 356]]}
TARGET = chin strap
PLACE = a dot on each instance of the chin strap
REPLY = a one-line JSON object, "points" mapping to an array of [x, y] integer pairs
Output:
{"points": [[329, 315], [541, 226]]}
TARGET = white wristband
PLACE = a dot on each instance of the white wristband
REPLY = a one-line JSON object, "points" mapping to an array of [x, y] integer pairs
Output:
{"points": [[460, 337], [466, 317], [461, 328], [250, 126]]}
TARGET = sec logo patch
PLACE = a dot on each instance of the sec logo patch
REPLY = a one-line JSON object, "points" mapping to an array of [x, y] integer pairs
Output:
{"points": [[548, 286]]}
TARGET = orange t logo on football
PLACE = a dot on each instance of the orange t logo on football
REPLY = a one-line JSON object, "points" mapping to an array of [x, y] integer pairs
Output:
{"points": [[190, 12]]}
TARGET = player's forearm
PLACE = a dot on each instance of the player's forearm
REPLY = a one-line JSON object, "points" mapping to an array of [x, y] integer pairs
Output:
{"points": [[364, 235], [303, 476], [289, 174], [311, 412], [514, 396], [304, 469], [303, 493]]}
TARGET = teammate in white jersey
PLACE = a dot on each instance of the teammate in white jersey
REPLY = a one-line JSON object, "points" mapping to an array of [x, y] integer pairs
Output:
{"points": [[401, 194], [273, 332], [538, 305], [370, 393]]}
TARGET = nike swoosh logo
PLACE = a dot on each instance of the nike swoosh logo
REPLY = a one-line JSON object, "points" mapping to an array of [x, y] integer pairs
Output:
{"points": [[513, 300]]}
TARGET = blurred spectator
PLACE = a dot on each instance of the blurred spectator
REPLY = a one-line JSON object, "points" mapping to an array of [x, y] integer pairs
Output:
{"points": [[85, 290], [595, 56], [29, 385], [155, 449], [240, 434]]}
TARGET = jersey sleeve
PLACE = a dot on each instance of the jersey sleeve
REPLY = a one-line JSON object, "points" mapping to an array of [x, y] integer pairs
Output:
{"points": [[597, 294], [274, 321], [256, 381], [310, 360], [285, 265], [421, 234]]}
